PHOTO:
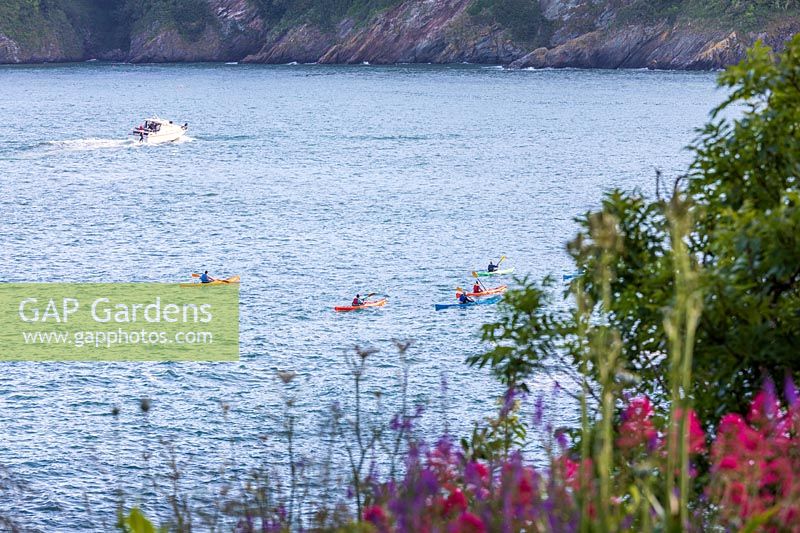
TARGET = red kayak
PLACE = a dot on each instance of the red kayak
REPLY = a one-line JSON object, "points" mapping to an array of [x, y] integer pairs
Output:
{"points": [[375, 303], [488, 292]]}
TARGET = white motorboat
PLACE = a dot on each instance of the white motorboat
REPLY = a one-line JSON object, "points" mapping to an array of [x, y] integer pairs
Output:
{"points": [[158, 130]]}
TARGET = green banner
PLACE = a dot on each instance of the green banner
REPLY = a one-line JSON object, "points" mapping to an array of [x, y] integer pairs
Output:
{"points": [[118, 322]]}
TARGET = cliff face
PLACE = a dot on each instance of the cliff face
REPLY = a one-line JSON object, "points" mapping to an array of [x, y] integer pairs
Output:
{"points": [[415, 31], [683, 45], [235, 31], [578, 33]]}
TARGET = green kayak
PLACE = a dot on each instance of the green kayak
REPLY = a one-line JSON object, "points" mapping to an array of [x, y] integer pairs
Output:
{"points": [[484, 273]]}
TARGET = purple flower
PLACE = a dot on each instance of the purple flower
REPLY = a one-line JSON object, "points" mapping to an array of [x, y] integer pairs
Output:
{"points": [[561, 439], [790, 391], [538, 411]]}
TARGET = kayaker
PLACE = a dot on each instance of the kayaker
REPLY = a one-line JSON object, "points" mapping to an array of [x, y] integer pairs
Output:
{"points": [[205, 278], [357, 300], [464, 299], [492, 267], [476, 288]]}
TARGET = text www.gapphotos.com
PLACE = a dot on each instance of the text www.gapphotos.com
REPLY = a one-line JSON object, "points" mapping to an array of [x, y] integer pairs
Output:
{"points": [[119, 337]]}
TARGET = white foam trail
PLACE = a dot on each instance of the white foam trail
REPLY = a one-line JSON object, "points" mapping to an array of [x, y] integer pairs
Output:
{"points": [[93, 144], [78, 145], [183, 140], [232, 63]]}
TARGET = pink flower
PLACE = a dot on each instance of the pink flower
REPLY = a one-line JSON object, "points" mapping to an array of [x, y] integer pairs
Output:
{"points": [[731, 422], [728, 462], [480, 470], [456, 500], [637, 426], [697, 437], [468, 523], [570, 468], [763, 408], [738, 493], [734, 425], [375, 514], [525, 487]]}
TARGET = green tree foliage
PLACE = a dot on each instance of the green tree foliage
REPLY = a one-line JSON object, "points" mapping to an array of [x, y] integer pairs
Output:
{"points": [[743, 199], [745, 14], [189, 17], [522, 17], [322, 13]]}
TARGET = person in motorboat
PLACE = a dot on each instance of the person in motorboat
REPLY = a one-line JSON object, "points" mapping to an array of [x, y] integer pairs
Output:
{"points": [[357, 301], [464, 299], [205, 278], [492, 266], [476, 288]]}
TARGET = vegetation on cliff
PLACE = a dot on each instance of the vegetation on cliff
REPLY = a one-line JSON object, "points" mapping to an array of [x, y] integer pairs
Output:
{"points": [[742, 14], [93, 27], [180, 30], [523, 18], [322, 13]]}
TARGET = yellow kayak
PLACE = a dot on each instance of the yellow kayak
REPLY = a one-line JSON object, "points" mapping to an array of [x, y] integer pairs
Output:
{"points": [[228, 281]]}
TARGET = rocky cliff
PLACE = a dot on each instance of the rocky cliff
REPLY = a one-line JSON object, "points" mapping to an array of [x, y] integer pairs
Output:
{"points": [[556, 33]]}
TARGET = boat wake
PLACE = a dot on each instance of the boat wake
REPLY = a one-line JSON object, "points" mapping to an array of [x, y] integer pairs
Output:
{"points": [[183, 140], [79, 145]]}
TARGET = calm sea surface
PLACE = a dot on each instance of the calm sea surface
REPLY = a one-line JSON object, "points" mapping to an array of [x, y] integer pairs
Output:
{"points": [[312, 183]]}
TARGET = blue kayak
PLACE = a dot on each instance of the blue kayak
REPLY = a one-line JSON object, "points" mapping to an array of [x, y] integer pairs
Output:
{"points": [[569, 277], [482, 301]]}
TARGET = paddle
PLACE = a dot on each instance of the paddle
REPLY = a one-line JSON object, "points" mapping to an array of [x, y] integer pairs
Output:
{"points": [[367, 296], [195, 275], [475, 275], [502, 258], [460, 291]]}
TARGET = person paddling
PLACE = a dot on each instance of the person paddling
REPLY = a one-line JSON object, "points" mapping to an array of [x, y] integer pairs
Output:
{"points": [[464, 299], [492, 266], [205, 278], [476, 288], [357, 301]]}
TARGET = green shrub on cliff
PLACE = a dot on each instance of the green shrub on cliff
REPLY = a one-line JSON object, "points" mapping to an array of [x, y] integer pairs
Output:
{"points": [[32, 23], [523, 18], [742, 14], [323, 13], [189, 17]]}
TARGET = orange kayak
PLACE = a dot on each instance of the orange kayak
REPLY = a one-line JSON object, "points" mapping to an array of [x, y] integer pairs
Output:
{"points": [[375, 303], [228, 281], [488, 292]]}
